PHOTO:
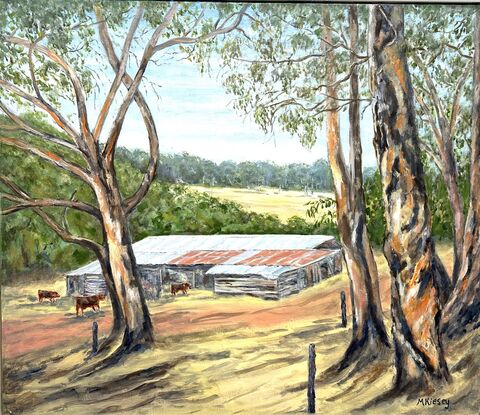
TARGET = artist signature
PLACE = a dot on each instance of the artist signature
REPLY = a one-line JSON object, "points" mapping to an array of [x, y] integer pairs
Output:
{"points": [[434, 402]]}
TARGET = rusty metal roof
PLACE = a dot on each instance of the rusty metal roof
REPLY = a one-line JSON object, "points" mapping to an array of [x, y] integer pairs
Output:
{"points": [[249, 250], [204, 257], [270, 263], [270, 257], [284, 257]]}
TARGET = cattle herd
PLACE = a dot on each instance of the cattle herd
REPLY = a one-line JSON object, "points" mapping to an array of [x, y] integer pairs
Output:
{"points": [[93, 301]]}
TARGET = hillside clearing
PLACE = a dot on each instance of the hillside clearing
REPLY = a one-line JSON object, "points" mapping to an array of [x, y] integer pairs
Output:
{"points": [[283, 203]]}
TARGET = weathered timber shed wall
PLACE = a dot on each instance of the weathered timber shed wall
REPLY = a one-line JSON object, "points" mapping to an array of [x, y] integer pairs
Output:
{"points": [[193, 274], [252, 285], [274, 282], [93, 283]]}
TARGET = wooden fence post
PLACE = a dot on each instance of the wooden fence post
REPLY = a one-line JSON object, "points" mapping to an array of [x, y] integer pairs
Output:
{"points": [[312, 370], [343, 306], [94, 337]]}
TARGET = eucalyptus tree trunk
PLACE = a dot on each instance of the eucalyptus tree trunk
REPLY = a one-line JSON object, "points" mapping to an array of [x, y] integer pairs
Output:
{"points": [[450, 177], [369, 337], [463, 310], [419, 282], [118, 324], [120, 259], [443, 129]]}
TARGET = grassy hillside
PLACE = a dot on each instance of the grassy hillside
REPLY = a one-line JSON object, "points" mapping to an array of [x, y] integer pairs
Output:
{"points": [[283, 203]]}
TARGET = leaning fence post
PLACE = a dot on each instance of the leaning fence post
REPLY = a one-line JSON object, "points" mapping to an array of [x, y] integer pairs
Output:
{"points": [[94, 337], [311, 378], [343, 306]]}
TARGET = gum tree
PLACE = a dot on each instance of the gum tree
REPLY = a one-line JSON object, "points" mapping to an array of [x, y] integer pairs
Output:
{"points": [[441, 62], [44, 49], [445, 94], [419, 282], [463, 310]]}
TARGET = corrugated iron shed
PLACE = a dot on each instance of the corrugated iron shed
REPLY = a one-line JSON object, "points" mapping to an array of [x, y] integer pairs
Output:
{"points": [[272, 250], [185, 243], [92, 268], [142, 258], [154, 258]]}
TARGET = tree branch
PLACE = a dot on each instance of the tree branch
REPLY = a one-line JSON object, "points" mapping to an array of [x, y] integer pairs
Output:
{"points": [[149, 175], [23, 203], [52, 158], [457, 96], [147, 54], [191, 40], [282, 61], [333, 46], [197, 21], [434, 156], [316, 107], [66, 236], [345, 78], [64, 216], [32, 72], [427, 113], [432, 90], [121, 67], [22, 125], [72, 75], [457, 49], [56, 116]]}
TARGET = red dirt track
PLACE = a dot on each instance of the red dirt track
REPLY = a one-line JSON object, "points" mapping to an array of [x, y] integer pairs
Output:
{"points": [[42, 332]]}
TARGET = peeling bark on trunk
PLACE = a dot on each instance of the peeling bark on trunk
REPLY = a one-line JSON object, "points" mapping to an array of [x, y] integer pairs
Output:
{"points": [[419, 282], [463, 310], [369, 337], [120, 260], [118, 321]]}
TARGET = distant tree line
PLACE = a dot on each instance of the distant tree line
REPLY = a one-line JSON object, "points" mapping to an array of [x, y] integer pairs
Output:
{"points": [[28, 244], [190, 169]]}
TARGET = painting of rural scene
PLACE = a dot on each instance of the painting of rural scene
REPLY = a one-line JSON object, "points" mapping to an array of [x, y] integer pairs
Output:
{"points": [[239, 208]]}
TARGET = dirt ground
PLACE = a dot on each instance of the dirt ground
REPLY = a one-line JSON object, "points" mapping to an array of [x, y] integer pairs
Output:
{"points": [[32, 331], [214, 355]]}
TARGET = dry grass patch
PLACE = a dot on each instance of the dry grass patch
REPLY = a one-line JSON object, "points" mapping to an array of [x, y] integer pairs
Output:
{"points": [[283, 203]]}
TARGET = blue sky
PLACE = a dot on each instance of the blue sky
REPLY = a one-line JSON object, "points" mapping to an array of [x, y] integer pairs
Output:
{"points": [[194, 114]]}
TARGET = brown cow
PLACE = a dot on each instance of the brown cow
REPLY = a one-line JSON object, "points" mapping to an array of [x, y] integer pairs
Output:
{"points": [[51, 295], [183, 287], [81, 303]]}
